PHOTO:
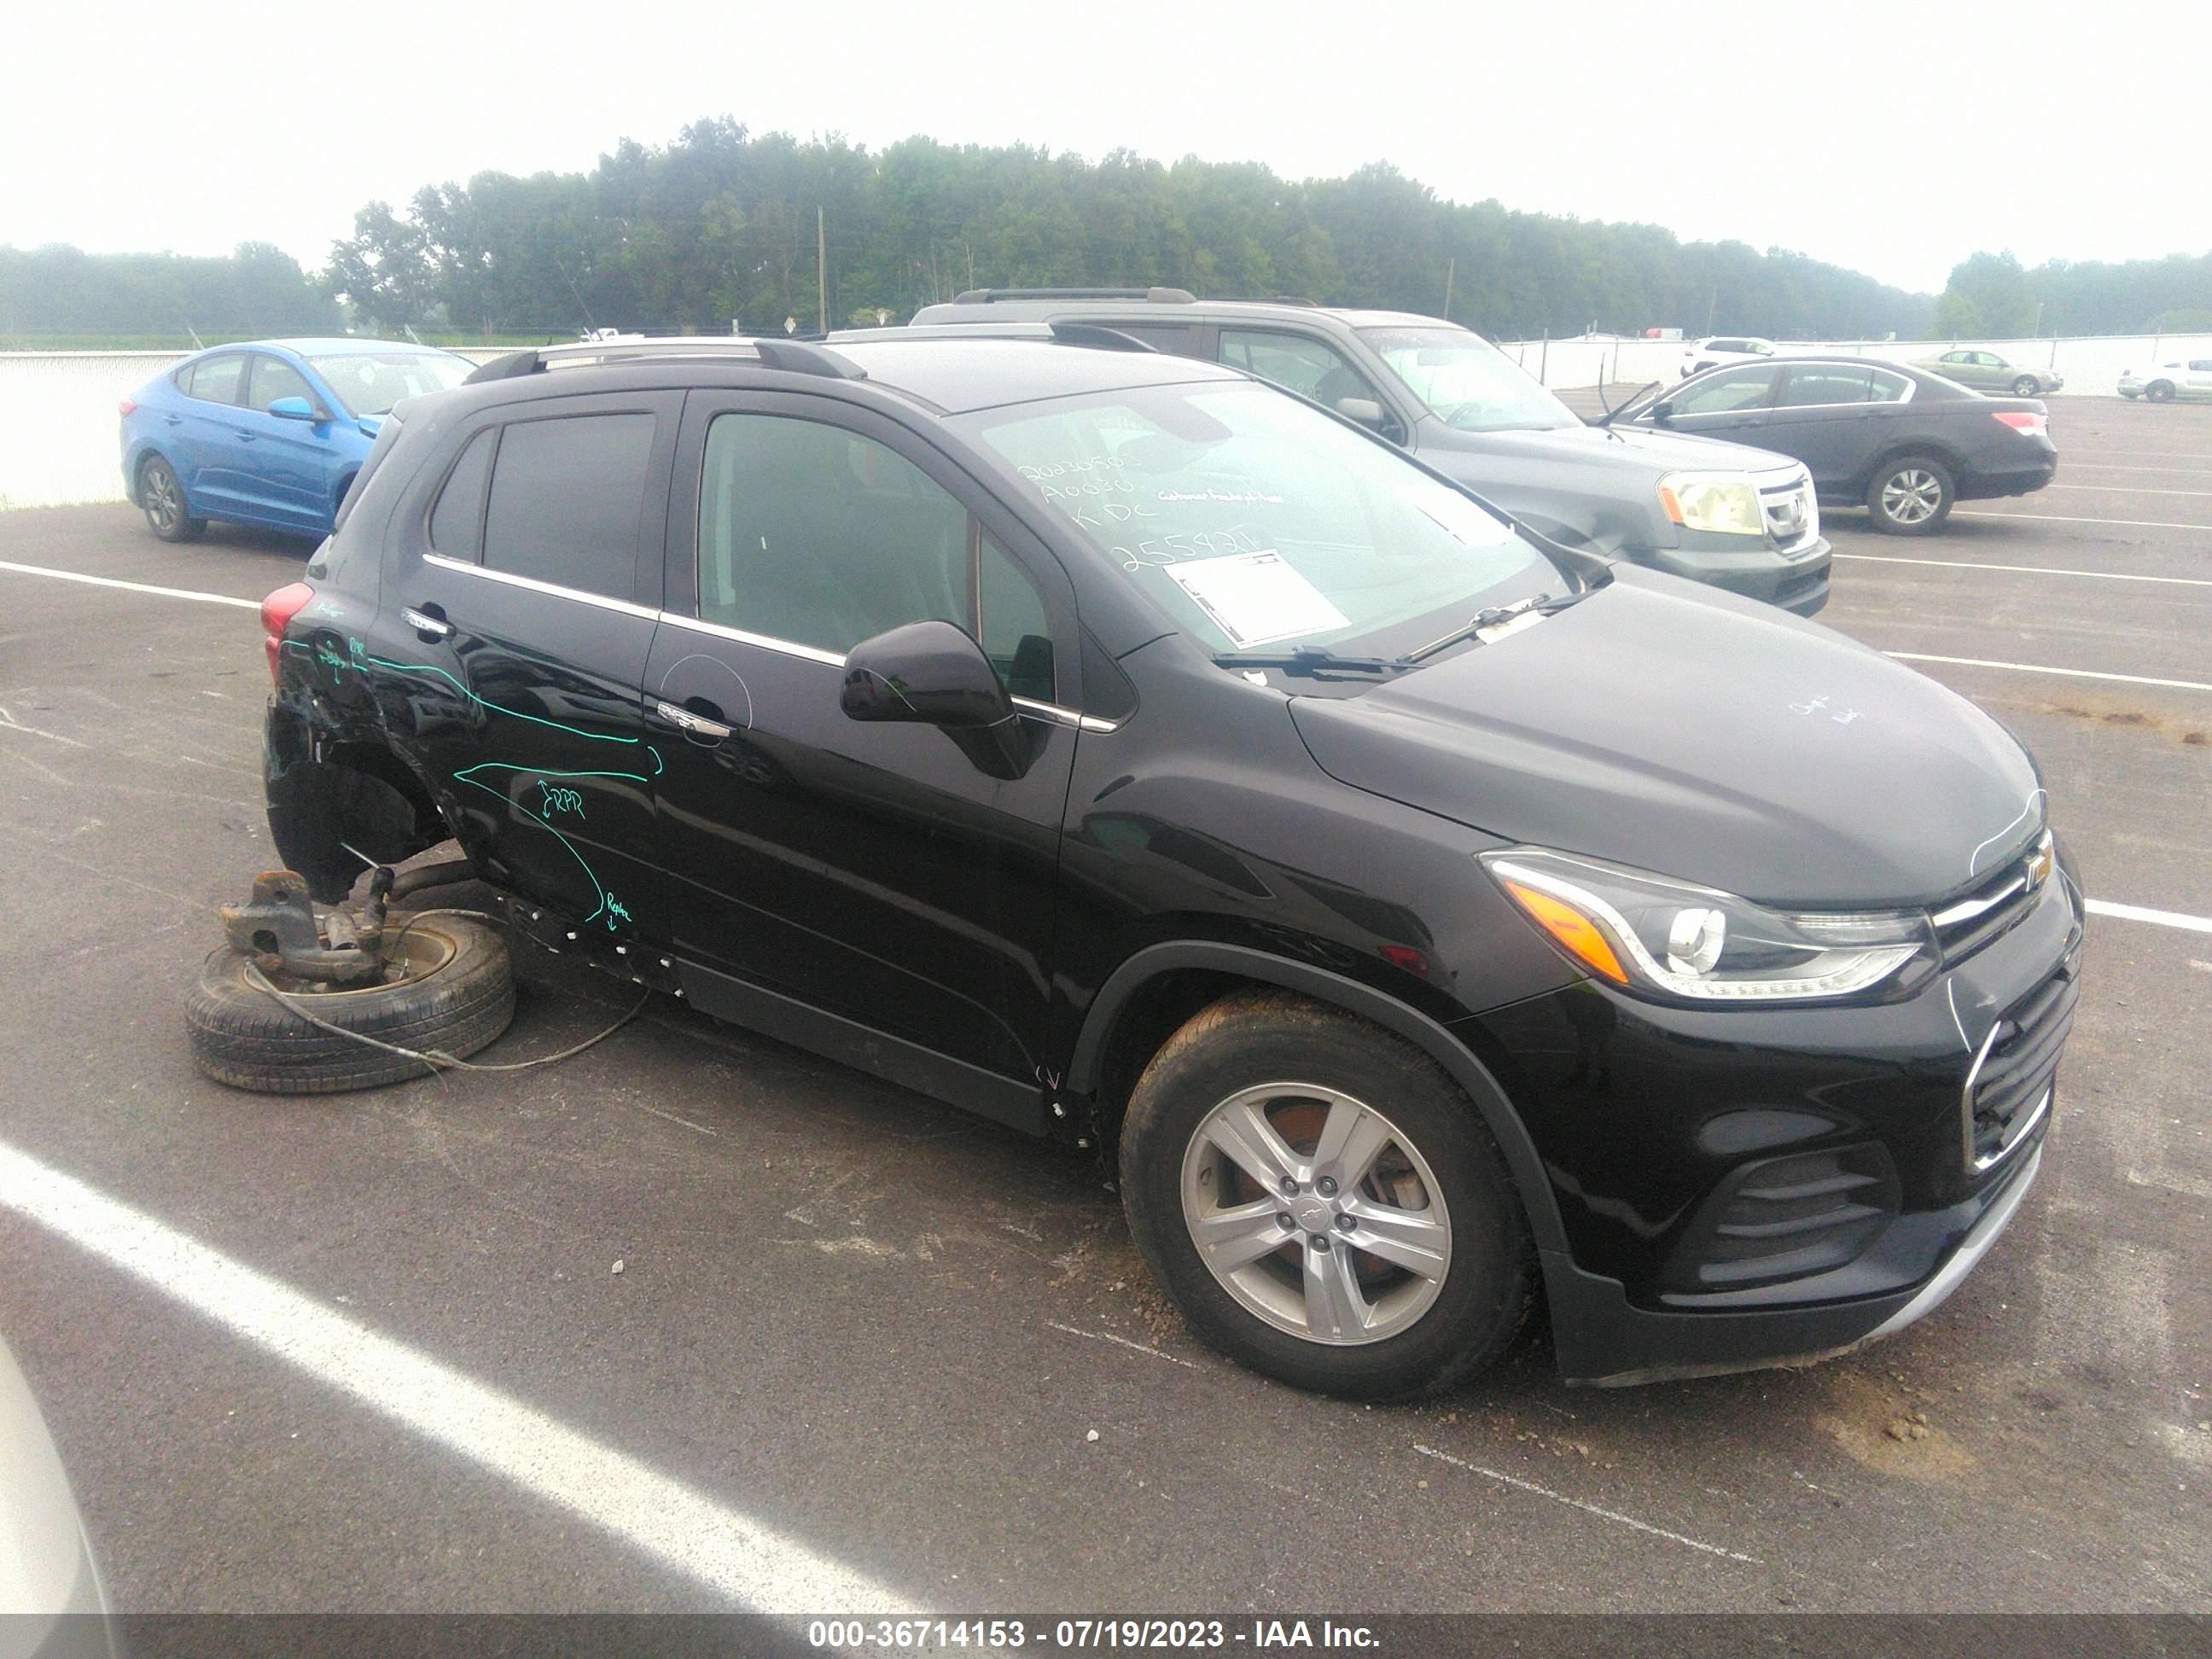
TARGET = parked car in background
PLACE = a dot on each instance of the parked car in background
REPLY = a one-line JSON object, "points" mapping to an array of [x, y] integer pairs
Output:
{"points": [[1117, 748], [1703, 355], [1735, 517], [2188, 378], [1985, 371], [270, 433], [1906, 444]]}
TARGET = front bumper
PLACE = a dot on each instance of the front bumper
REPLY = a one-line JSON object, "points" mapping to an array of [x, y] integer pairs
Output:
{"points": [[1796, 579], [1740, 1188]]}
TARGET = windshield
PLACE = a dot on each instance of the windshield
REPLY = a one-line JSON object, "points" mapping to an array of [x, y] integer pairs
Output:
{"points": [[370, 382], [1249, 519], [1468, 381]]}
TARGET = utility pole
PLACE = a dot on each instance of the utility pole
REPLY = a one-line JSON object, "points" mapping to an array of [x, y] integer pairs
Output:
{"points": [[1711, 306], [1450, 267], [821, 271]]}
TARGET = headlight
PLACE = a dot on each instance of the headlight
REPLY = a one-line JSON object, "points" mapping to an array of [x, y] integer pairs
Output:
{"points": [[1726, 501], [1657, 936]]}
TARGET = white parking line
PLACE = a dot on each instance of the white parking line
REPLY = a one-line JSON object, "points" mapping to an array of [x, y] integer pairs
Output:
{"points": [[731, 1552], [2159, 918], [2127, 489], [2028, 570], [135, 587], [2116, 466], [2061, 517], [2039, 668], [1519, 1485]]}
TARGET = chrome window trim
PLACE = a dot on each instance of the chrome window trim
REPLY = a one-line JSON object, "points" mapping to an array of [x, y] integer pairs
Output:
{"points": [[1074, 719], [445, 561]]}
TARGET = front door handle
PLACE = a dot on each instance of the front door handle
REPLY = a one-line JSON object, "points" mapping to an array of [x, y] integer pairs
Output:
{"points": [[426, 625], [698, 725]]}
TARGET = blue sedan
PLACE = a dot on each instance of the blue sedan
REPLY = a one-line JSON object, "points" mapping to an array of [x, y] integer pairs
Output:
{"points": [[270, 433]]}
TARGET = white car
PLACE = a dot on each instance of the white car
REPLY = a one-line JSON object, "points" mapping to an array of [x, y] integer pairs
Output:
{"points": [[2191, 378], [1724, 348]]}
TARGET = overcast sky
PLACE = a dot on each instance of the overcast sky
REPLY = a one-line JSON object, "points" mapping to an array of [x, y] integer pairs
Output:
{"points": [[1895, 138]]}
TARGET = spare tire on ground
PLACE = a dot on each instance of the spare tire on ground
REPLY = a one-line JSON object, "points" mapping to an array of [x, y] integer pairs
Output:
{"points": [[449, 988]]}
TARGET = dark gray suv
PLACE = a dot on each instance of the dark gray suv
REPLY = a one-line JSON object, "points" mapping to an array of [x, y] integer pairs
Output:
{"points": [[1741, 519]]}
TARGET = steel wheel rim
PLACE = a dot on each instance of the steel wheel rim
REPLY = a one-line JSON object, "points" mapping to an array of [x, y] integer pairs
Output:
{"points": [[1316, 1231], [1912, 496], [424, 951], [161, 503]]}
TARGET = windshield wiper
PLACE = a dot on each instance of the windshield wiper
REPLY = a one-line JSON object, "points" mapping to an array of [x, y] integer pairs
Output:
{"points": [[1313, 660], [1543, 605], [1612, 414]]}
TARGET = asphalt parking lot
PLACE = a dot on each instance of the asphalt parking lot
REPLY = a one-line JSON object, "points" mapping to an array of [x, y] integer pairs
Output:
{"points": [[858, 1346]]}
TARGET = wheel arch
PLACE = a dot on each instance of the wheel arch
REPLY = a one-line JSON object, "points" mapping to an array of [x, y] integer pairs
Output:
{"points": [[1146, 998], [342, 788], [1904, 448]]}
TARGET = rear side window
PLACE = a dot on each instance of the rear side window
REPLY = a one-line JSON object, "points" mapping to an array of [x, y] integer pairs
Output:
{"points": [[2200, 366], [457, 521], [1826, 384], [1178, 338], [1884, 387], [567, 496], [217, 379]]}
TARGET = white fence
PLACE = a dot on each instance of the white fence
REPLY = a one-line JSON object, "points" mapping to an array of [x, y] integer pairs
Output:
{"points": [[2091, 367], [59, 444]]}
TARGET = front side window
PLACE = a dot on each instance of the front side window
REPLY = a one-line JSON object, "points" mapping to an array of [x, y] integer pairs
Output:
{"points": [[566, 495], [1246, 519], [219, 379], [1468, 382], [1726, 393], [274, 378], [819, 536], [370, 382]]}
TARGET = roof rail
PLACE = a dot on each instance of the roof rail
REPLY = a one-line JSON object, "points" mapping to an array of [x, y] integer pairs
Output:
{"points": [[791, 356], [1157, 296]]}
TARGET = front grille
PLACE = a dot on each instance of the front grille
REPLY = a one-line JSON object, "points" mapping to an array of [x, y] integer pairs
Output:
{"points": [[1970, 920], [1784, 1218], [1793, 518], [2009, 1087]]}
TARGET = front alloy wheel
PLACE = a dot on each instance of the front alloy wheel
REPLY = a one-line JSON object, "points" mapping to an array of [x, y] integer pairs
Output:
{"points": [[1322, 1202], [1317, 1214]]}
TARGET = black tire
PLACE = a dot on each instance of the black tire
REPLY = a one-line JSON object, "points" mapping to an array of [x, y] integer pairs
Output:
{"points": [[2026, 387], [1911, 495], [1277, 1043], [161, 499], [463, 998], [2159, 392]]}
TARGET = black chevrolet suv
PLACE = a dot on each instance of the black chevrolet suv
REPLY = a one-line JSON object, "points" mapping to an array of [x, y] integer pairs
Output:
{"points": [[1422, 916]]}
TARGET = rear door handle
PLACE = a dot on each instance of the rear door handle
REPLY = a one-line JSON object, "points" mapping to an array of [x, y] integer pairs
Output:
{"points": [[698, 725], [428, 626]]}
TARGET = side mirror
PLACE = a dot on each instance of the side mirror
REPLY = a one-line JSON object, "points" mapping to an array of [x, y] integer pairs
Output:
{"points": [[1663, 411], [1365, 410], [295, 408], [931, 673]]}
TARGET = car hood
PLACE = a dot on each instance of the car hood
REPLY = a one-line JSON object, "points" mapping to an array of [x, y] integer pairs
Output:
{"points": [[1624, 446], [1702, 737]]}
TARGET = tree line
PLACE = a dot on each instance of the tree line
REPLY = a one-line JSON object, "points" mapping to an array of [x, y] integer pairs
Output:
{"points": [[721, 227], [257, 290]]}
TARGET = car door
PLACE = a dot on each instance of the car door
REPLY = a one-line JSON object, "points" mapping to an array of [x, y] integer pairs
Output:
{"points": [[510, 648], [858, 879], [1729, 402], [289, 462], [1312, 367], [1823, 416], [210, 451]]}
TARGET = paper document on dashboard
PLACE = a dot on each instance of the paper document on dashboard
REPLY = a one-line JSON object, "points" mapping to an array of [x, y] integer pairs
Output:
{"points": [[1255, 597]]}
